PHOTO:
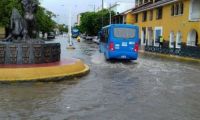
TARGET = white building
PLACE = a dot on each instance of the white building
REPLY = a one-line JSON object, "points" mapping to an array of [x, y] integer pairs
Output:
{"points": [[79, 19], [120, 7]]}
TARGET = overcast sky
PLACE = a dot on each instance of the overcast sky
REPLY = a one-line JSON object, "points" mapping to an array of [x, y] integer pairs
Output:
{"points": [[61, 7]]}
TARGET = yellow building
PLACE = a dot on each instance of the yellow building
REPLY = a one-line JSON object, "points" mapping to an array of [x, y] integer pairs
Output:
{"points": [[128, 17], [177, 21], [125, 17]]}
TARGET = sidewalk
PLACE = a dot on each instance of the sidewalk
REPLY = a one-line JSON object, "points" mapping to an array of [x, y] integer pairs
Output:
{"points": [[57, 71], [171, 56]]}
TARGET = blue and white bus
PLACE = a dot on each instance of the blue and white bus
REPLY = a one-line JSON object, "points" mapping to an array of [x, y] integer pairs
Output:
{"points": [[119, 41], [75, 33]]}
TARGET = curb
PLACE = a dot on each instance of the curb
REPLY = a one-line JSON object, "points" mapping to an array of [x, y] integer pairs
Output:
{"points": [[171, 56], [44, 74]]}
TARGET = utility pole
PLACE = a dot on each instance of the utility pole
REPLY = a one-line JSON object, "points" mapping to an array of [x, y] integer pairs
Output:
{"points": [[102, 11], [71, 45], [102, 4], [110, 15], [70, 27]]}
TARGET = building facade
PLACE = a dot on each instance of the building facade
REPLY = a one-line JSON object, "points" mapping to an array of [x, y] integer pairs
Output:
{"points": [[128, 17], [123, 12], [177, 21], [79, 19]]}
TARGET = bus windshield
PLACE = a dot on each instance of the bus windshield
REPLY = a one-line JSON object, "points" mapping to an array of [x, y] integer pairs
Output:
{"points": [[126, 33]]}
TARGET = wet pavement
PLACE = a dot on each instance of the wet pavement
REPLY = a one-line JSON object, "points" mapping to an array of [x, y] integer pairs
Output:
{"points": [[152, 88]]}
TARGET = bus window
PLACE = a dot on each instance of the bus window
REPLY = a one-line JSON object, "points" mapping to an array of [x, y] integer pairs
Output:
{"points": [[106, 35], [126, 33], [102, 36]]}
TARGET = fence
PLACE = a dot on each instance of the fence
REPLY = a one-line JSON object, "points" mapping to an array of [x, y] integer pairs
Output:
{"points": [[185, 51]]}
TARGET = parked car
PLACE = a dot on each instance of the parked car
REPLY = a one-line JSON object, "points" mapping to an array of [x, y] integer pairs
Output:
{"points": [[96, 39], [89, 37], [51, 35], [83, 36]]}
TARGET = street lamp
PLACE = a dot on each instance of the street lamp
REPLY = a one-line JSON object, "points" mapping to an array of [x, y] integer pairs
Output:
{"points": [[110, 15], [70, 30], [102, 12], [102, 4], [70, 45]]}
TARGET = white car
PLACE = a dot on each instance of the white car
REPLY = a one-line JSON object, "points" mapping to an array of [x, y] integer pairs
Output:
{"points": [[96, 39], [89, 38]]}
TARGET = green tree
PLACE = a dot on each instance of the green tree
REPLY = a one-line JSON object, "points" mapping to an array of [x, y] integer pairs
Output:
{"points": [[91, 22], [62, 28], [44, 20], [6, 7]]}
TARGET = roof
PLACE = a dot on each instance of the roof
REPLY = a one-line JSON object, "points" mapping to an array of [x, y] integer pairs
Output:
{"points": [[150, 5], [120, 25], [127, 11]]}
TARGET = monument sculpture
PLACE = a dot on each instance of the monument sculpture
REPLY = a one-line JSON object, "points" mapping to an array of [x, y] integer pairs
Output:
{"points": [[22, 46]]}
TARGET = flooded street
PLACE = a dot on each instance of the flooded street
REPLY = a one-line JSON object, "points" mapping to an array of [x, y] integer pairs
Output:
{"points": [[151, 88]]}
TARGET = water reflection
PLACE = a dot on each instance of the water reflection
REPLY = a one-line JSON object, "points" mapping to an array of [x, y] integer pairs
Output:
{"points": [[152, 88]]}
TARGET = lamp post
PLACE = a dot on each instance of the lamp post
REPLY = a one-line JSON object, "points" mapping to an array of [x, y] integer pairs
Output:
{"points": [[110, 15], [70, 46], [102, 11], [102, 4]]}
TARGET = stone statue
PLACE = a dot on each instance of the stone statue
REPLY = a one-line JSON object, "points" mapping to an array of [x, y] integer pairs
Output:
{"points": [[30, 8], [17, 26], [21, 47], [23, 28]]}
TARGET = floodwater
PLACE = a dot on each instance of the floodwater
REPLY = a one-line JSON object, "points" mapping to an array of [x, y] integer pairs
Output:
{"points": [[152, 88]]}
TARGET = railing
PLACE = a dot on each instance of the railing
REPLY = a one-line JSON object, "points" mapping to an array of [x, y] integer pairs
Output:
{"points": [[185, 51], [33, 53]]}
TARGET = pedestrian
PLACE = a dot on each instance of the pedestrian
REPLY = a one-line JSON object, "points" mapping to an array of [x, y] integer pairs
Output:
{"points": [[78, 39], [161, 41]]}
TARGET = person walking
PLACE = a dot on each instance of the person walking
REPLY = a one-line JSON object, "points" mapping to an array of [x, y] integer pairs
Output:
{"points": [[161, 41]]}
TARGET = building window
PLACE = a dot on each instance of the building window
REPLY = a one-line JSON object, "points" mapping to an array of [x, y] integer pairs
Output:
{"points": [[181, 8], [140, 2], [171, 40], [146, 1], [151, 15], [178, 40], [177, 9], [144, 18], [172, 10], [137, 2], [157, 0], [192, 38], [159, 13], [136, 18], [194, 14], [158, 32]]}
